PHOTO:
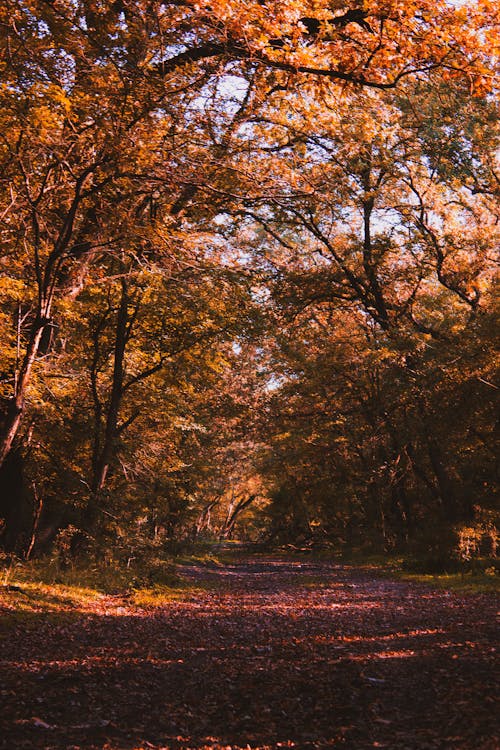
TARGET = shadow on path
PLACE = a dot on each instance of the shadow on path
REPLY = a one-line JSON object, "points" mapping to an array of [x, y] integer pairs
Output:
{"points": [[269, 654]]}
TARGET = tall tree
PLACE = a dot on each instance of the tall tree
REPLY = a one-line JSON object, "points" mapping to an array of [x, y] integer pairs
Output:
{"points": [[126, 127]]}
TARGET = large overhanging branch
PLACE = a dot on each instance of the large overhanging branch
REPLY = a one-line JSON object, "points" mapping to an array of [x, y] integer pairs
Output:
{"points": [[311, 31], [235, 51]]}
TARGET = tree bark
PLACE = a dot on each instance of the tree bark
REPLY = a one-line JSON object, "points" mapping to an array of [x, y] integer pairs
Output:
{"points": [[104, 451], [15, 406]]}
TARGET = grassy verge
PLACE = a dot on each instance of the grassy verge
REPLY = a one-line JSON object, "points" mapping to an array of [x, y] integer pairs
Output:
{"points": [[466, 581], [44, 587], [102, 578], [482, 578], [29, 590], [50, 588]]}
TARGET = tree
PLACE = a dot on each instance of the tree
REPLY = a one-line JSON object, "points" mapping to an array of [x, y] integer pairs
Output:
{"points": [[384, 300], [128, 131], [67, 161]]}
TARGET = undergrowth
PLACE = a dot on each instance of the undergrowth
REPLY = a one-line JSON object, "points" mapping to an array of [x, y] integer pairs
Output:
{"points": [[54, 587], [482, 576], [461, 582]]}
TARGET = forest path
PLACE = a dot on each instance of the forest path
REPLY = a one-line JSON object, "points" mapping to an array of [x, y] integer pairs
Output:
{"points": [[262, 653]]}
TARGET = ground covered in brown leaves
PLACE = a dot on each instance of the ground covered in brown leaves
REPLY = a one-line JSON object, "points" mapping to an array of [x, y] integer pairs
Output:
{"points": [[262, 653]]}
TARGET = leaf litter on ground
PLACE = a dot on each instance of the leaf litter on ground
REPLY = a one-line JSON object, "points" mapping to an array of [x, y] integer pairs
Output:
{"points": [[260, 653]]}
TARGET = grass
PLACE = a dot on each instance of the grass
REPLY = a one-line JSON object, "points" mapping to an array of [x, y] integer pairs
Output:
{"points": [[394, 566], [468, 582], [482, 579], [102, 578], [472, 581], [47, 588]]}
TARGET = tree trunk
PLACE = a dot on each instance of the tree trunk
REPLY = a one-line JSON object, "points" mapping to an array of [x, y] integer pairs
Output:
{"points": [[14, 411], [443, 479], [232, 515], [15, 503], [444, 484], [16, 506], [104, 452]]}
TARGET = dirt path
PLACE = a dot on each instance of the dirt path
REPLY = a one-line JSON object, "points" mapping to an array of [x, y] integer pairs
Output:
{"points": [[269, 654]]}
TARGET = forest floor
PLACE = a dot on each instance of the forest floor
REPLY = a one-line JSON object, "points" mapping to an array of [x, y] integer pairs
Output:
{"points": [[259, 653]]}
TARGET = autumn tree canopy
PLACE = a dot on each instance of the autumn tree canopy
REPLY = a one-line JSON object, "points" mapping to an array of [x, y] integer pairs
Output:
{"points": [[247, 269]]}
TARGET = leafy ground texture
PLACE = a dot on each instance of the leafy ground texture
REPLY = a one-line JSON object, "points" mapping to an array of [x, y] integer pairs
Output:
{"points": [[259, 653]]}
